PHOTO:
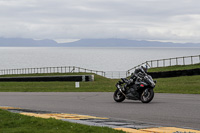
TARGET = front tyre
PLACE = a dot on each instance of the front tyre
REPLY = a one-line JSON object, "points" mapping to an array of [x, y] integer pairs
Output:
{"points": [[147, 95], [118, 96]]}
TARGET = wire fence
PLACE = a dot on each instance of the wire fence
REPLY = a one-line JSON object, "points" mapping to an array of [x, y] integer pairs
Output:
{"points": [[185, 60], [42, 70]]}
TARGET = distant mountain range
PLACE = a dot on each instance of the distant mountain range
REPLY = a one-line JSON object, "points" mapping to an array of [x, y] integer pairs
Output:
{"points": [[28, 42]]}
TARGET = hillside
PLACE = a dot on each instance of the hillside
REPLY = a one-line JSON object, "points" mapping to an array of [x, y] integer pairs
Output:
{"points": [[124, 43], [110, 42], [26, 42]]}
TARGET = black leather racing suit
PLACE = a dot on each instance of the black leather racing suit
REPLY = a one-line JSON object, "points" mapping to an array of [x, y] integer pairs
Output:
{"points": [[133, 77]]}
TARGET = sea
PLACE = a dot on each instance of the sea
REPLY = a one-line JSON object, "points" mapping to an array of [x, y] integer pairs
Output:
{"points": [[101, 59]]}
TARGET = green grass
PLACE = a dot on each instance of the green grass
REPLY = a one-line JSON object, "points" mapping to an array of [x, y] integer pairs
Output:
{"points": [[17, 123], [173, 68], [101, 84], [183, 85]]}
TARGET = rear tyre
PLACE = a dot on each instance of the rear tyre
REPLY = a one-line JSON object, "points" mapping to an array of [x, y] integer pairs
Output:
{"points": [[118, 96], [147, 95]]}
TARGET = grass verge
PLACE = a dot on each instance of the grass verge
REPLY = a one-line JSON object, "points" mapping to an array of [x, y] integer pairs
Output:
{"points": [[183, 85], [101, 84], [17, 123]]}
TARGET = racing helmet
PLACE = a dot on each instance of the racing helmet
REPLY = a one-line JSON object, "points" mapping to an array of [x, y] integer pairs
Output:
{"points": [[145, 68]]}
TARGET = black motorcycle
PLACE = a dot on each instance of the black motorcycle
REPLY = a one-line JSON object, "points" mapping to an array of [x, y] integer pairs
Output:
{"points": [[141, 89]]}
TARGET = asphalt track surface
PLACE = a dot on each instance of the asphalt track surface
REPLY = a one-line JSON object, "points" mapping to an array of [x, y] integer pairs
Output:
{"points": [[169, 110]]}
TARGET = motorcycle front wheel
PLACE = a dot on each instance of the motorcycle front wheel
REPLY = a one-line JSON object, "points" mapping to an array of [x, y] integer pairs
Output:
{"points": [[147, 95], [118, 96]]}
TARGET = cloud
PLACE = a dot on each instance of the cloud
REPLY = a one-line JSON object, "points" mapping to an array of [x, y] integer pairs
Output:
{"points": [[174, 20]]}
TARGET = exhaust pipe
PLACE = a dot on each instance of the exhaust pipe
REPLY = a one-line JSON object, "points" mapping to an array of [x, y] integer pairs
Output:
{"points": [[119, 87]]}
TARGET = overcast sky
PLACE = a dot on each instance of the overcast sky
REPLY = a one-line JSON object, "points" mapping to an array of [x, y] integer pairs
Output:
{"points": [[63, 20]]}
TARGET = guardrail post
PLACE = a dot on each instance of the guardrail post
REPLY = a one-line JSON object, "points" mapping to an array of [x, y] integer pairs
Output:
{"points": [[164, 63], [73, 69], [65, 69], [199, 58], [157, 63], [191, 60], [176, 61]]}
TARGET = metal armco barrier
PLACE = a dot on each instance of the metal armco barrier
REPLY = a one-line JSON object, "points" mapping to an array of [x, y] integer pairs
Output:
{"points": [[78, 78], [175, 73]]}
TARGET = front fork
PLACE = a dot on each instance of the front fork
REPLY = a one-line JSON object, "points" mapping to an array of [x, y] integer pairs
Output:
{"points": [[146, 92]]}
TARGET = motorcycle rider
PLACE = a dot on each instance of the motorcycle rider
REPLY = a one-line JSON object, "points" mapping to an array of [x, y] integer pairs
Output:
{"points": [[143, 69]]}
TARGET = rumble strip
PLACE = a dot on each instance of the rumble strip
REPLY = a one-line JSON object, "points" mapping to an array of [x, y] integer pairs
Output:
{"points": [[129, 127]]}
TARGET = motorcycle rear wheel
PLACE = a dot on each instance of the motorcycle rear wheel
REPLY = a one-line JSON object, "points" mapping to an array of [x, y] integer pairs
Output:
{"points": [[146, 97], [118, 96]]}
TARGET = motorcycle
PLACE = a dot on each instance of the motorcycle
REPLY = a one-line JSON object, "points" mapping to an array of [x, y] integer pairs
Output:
{"points": [[141, 89]]}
